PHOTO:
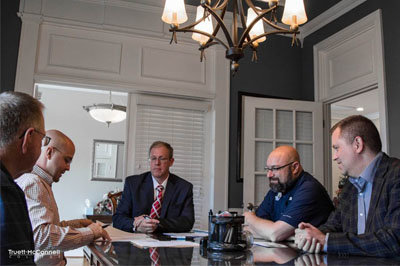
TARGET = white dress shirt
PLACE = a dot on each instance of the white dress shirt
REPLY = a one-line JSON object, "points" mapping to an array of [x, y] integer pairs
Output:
{"points": [[49, 233]]}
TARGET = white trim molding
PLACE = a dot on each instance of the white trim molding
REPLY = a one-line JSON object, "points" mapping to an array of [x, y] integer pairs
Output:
{"points": [[124, 46], [328, 16]]}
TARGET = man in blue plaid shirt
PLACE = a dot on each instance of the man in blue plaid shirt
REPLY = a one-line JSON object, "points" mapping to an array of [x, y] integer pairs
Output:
{"points": [[367, 220]]}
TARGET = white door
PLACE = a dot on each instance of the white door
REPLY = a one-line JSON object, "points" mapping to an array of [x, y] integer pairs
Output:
{"points": [[269, 123]]}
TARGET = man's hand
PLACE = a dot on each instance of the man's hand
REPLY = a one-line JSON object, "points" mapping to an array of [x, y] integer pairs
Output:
{"points": [[309, 260], [76, 223], [98, 231], [249, 217], [309, 238], [145, 224], [85, 222]]}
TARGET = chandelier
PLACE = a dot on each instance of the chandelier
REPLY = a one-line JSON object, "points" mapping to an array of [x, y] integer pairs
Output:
{"points": [[254, 31], [107, 112]]}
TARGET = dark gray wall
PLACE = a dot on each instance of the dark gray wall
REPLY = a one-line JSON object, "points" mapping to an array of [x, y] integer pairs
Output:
{"points": [[276, 74], [391, 58], [10, 33], [293, 78]]}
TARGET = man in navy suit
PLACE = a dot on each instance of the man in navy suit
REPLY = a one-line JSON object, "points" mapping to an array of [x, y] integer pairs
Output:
{"points": [[367, 220], [156, 201]]}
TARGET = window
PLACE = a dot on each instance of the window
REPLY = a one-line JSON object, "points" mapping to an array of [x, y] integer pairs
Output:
{"points": [[181, 123]]}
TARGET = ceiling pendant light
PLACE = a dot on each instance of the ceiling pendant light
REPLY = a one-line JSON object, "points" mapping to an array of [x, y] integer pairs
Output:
{"points": [[107, 112]]}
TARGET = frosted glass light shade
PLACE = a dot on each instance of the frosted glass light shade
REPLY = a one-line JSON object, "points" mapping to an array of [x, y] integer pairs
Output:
{"points": [[174, 12], [258, 28], [206, 26], [107, 112], [294, 13]]}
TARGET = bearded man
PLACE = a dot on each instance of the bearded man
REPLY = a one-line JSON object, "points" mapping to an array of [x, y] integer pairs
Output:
{"points": [[295, 196]]}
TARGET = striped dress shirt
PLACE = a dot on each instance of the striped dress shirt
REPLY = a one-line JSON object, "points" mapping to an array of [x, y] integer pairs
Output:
{"points": [[49, 233]]}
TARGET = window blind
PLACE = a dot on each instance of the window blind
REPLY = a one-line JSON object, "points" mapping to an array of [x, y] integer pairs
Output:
{"points": [[184, 130]]}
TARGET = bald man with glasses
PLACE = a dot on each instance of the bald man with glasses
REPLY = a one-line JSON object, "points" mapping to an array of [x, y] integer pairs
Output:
{"points": [[294, 196], [49, 232]]}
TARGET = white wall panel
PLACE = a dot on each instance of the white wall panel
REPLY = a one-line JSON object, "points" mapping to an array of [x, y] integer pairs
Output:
{"points": [[124, 60], [138, 19], [172, 65], [351, 63], [348, 65], [87, 54], [85, 11]]}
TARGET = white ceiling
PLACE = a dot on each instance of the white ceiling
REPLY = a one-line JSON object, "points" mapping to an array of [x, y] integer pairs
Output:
{"points": [[368, 100]]}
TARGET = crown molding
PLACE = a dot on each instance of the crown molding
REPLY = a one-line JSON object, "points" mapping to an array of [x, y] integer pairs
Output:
{"points": [[328, 16]]}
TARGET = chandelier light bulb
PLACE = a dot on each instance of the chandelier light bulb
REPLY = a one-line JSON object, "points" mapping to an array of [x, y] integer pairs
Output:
{"points": [[294, 13], [174, 12], [258, 28], [206, 26]]}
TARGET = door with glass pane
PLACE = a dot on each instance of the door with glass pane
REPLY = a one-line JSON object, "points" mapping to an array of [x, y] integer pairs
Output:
{"points": [[269, 123]]}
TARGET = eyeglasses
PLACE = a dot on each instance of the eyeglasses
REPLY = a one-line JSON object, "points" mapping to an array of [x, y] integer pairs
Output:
{"points": [[275, 169], [45, 139], [67, 159], [155, 159]]}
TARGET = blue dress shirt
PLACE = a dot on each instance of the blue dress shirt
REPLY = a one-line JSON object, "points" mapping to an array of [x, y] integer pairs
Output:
{"points": [[364, 187]]}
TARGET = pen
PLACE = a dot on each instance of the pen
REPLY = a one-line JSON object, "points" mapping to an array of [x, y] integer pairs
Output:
{"points": [[105, 225]]}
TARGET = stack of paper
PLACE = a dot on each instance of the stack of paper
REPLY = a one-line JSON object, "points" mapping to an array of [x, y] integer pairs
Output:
{"points": [[119, 235], [268, 244], [154, 243], [185, 235]]}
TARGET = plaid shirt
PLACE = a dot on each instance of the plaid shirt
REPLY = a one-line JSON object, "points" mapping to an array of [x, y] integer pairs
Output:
{"points": [[382, 232], [49, 232]]}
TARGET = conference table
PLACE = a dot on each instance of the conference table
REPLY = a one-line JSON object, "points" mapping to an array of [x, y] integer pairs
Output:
{"points": [[125, 253]]}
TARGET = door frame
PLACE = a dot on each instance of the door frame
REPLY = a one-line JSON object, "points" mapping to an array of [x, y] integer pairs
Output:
{"points": [[367, 30]]}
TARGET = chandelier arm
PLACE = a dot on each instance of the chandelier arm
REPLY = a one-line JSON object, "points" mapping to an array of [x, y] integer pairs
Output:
{"points": [[220, 22], [265, 35], [217, 6], [199, 21], [186, 27], [243, 22], [273, 25], [212, 37], [217, 27], [265, 11], [247, 30]]}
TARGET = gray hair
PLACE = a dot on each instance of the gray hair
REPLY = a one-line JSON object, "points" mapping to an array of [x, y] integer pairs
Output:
{"points": [[18, 111], [157, 144]]}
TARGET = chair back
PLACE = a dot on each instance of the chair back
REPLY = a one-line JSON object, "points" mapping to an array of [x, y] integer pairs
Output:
{"points": [[115, 198]]}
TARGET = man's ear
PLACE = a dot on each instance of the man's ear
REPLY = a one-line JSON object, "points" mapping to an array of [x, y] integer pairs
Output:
{"points": [[26, 140], [49, 152], [296, 167], [358, 144], [172, 160]]}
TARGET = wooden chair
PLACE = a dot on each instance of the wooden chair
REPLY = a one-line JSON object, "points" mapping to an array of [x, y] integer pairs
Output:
{"points": [[114, 197]]}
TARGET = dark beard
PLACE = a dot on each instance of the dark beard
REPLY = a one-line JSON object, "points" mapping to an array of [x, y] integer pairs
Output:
{"points": [[282, 187]]}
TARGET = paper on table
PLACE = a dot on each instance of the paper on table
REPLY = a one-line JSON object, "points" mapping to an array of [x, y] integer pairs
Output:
{"points": [[268, 244], [153, 243], [182, 235], [119, 235]]}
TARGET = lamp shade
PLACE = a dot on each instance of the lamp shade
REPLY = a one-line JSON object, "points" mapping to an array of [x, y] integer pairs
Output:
{"points": [[107, 112], [294, 13], [258, 28], [206, 26], [174, 12]]}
